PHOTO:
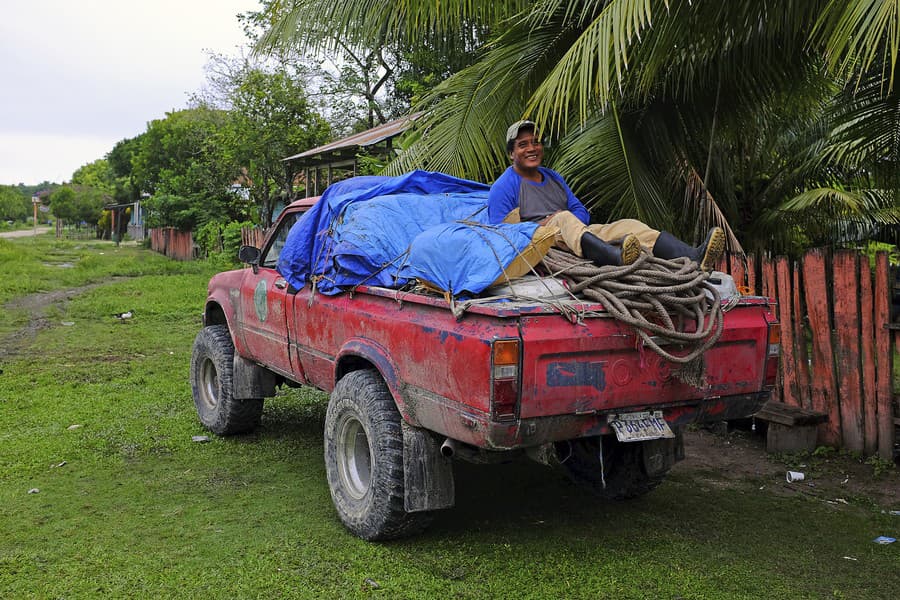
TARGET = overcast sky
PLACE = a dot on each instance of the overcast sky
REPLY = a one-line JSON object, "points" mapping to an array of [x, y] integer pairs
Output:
{"points": [[78, 76]]}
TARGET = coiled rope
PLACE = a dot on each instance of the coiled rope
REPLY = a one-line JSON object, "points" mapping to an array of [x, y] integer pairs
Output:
{"points": [[647, 294]]}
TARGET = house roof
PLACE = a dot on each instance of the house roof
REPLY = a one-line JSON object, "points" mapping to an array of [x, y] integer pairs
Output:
{"points": [[369, 137]]}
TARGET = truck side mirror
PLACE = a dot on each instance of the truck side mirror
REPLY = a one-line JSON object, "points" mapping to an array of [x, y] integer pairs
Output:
{"points": [[250, 255]]}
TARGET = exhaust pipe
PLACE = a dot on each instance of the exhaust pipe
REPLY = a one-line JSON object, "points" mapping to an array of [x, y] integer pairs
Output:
{"points": [[448, 448]]}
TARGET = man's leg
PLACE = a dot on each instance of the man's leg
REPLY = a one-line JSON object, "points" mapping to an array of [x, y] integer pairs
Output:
{"points": [[578, 238], [706, 255], [617, 230]]}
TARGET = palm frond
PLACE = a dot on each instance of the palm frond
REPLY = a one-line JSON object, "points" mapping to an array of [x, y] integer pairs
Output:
{"points": [[319, 25], [698, 201], [860, 35], [462, 132], [594, 65]]}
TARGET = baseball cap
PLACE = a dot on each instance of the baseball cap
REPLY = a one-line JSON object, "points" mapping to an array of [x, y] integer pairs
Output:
{"points": [[513, 131]]}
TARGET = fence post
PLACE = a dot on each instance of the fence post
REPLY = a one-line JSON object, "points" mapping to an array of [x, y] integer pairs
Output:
{"points": [[801, 356], [867, 357], [845, 271], [824, 388], [788, 363], [885, 357]]}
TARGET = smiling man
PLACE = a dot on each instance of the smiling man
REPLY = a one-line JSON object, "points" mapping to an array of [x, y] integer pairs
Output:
{"points": [[527, 191]]}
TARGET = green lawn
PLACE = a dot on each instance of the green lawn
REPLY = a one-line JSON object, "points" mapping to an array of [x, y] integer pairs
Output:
{"points": [[97, 416]]}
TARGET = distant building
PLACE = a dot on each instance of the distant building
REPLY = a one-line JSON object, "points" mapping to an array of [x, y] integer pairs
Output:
{"points": [[338, 160]]}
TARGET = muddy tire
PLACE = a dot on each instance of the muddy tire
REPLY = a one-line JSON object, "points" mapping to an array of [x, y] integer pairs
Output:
{"points": [[620, 475], [212, 375], [364, 459]]}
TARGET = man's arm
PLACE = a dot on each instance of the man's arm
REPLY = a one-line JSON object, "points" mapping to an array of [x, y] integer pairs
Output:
{"points": [[503, 197]]}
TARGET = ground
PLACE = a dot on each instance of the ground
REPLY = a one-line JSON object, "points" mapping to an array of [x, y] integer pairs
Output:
{"points": [[738, 457]]}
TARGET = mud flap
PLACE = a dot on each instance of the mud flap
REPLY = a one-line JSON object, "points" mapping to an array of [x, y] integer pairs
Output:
{"points": [[251, 381], [427, 475], [660, 455]]}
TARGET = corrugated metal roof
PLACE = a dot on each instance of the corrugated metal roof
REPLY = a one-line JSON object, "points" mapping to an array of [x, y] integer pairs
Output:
{"points": [[364, 138]]}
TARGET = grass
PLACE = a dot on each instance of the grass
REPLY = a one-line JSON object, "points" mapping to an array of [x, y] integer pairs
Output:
{"points": [[129, 506]]}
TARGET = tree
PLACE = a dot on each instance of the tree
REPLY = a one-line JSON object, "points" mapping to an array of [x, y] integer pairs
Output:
{"points": [[656, 108], [120, 160], [14, 206], [180, 162], [369, 79], [77, 204], [270, 118]]}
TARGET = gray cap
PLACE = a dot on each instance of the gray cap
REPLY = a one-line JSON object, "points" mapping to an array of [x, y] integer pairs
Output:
{"points": [[513, 131]]}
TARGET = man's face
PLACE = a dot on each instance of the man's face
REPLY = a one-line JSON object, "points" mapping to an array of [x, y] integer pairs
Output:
{"points": [[527, 152]]}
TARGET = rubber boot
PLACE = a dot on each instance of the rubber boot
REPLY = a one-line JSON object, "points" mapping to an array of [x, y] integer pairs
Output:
{"points": [[706, 255], [603, 254]]}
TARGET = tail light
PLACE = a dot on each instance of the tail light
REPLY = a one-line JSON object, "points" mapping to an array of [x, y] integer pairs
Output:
{"points": [[504, 379], [773, 353]]}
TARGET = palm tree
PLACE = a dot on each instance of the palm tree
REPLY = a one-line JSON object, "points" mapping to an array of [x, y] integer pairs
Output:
{"points": [[682, 113]]}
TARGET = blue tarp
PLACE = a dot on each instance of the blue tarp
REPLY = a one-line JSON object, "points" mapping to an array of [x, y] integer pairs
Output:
{"points": [[387, 230]]}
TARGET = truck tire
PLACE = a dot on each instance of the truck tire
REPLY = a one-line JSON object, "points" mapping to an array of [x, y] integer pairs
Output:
{"points": [[364, 459], [212, 376], [621, 474]]}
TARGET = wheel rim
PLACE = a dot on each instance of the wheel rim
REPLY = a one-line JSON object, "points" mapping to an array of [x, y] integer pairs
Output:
{"points": [[209, 384], [354, 458]]}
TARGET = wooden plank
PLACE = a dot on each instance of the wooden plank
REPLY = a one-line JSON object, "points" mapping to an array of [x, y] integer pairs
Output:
{"points": [[801, 343], [824, 388], [737, 271], [846, 325], [788, 365], [867, 357], [785, 414], [751, 273], [768, 270], [883, 357], [722, 263], [771, 291]]}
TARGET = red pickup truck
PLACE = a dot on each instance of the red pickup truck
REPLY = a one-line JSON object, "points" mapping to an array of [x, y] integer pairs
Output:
{"points": [[413, 387]]}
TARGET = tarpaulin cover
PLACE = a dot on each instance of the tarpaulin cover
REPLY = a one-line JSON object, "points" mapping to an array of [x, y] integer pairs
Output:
{"points": [[386, 230]]}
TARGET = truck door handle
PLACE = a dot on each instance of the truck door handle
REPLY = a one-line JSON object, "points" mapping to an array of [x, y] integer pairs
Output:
{"points": [[281, 283]]}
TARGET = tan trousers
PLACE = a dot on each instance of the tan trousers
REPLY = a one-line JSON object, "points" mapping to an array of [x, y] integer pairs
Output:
{"points": [[571, 229]]}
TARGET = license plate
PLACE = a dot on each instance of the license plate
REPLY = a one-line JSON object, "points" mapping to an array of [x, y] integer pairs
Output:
{"points": [[640, 426]]}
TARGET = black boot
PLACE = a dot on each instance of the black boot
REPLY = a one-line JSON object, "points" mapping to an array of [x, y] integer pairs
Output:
{"points": [[706, 255], [602, 254]]}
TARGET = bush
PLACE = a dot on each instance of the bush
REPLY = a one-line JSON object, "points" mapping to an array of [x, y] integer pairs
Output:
{"points": [[220, 242]]}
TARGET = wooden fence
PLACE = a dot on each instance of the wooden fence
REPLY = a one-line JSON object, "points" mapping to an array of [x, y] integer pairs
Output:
{"points": [[173, 243], [252, 236], [836, 341]]}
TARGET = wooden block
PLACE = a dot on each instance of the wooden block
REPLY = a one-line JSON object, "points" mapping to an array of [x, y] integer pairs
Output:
{"points": [[781, 438], [789, 416]]}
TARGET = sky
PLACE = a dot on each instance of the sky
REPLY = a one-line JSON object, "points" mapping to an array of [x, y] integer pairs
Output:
{"points": [[79, 76]]}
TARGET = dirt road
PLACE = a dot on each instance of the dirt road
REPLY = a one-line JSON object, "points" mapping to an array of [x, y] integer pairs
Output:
{"points": [[23, 232]]}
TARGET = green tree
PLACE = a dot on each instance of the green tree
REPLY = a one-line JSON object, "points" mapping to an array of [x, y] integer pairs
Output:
{"points": [[369, 79], [270, 118], [77, 204], [682, 113], [14, 206], [180, 163]]}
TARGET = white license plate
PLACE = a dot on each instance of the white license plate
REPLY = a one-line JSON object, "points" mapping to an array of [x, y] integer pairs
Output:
{"points": [[640, 426]]}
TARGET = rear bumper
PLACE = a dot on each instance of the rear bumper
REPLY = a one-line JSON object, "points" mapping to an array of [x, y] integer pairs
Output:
{"points": [[477, 429]]}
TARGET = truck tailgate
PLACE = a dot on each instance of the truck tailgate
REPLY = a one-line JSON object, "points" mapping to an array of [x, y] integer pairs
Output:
{"points": [[604, 366]]}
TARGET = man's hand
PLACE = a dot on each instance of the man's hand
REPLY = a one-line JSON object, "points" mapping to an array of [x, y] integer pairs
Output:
{"points": [[544, 221]]}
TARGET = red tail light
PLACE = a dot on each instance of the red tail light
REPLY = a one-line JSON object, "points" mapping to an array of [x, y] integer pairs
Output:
{"points": [[505, 379]]}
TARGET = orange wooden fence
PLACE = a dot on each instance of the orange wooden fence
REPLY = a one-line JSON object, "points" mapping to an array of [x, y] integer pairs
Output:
{"points": [[836, 343], [252, 236], [173, 243]]}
